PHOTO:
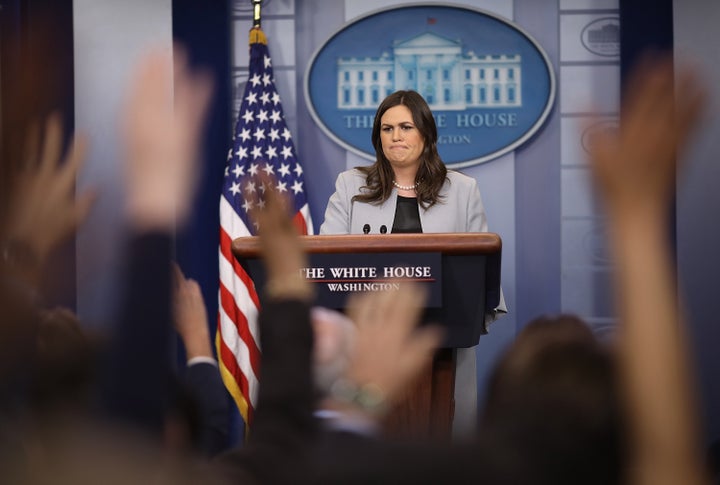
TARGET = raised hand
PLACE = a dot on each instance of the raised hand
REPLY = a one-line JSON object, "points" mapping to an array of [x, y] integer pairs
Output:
{"points": [[634, 167], [162, 128], [44, 210], [190, 316], [390, 348]]}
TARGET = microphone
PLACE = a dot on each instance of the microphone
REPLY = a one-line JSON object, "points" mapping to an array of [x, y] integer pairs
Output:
{"points": [[383, 229], [366, 228]]}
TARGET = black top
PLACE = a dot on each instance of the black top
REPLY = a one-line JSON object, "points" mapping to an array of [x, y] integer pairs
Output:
{"points": [[407, 216]]}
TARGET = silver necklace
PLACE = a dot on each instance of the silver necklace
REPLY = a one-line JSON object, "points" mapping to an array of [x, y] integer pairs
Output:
{"points": [[405, 187]]}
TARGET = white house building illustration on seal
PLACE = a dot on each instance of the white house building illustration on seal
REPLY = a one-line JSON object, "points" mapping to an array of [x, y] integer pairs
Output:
{"points": [[437, 68]]}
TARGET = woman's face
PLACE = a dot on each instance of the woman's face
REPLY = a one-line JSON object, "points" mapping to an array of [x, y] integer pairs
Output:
{"points": [[402, 142]]}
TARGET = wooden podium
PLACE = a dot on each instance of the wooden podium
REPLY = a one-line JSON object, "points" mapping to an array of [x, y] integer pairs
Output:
{"points": [[467, 287]]}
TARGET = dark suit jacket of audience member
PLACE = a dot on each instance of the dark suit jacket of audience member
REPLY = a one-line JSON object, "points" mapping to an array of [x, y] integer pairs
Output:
{"points": [[136, 385], [211, 407]]}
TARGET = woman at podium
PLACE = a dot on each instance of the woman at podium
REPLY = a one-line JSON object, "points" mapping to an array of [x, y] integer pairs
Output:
{"points": [[409, 190]]}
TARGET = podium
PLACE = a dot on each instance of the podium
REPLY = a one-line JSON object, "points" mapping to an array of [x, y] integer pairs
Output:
{"points": [[464, 282]]}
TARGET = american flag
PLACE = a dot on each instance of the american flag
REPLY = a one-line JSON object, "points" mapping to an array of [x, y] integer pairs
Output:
{"points": [[261, 143]]}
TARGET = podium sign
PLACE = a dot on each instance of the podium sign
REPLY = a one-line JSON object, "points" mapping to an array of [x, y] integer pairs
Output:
{"points": [[337, 276]]}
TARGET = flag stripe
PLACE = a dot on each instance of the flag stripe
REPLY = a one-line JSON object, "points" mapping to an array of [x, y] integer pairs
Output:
{"points": [[235, 356], [244, 331], [305, 211], [232, 377], [230, 220], [300, 222], [234, 276]]}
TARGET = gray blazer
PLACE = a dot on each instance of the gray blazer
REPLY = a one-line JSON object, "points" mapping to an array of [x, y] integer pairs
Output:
{"points": [[459, 210]]}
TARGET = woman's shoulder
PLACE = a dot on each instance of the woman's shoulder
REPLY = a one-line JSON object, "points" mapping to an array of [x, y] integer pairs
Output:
{"points": [[460, 179], [353, 173], [352, 177]]}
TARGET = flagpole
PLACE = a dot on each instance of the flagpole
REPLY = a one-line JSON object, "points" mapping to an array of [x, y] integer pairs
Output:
{"points": [[256, 13]]}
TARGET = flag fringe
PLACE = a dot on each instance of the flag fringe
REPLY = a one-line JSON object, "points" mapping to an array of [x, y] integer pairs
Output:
{"points": [[257, 36]]}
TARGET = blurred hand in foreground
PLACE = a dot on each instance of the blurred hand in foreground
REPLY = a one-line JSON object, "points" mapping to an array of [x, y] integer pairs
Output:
{"points": [[190, 316], [44, 210], [634, 166], [390, 348], [162, 127]]}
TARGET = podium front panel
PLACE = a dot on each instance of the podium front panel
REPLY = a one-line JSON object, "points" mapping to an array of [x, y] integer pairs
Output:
{"points": [[470, 273]]}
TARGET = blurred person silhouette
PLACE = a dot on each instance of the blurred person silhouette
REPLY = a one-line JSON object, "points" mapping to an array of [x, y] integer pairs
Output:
{"points": [[553, 394], [161, 132]]}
